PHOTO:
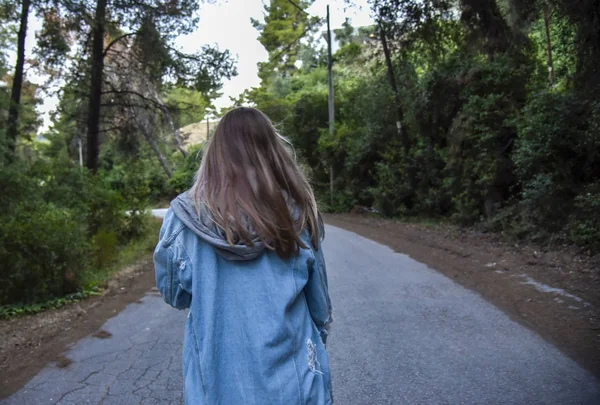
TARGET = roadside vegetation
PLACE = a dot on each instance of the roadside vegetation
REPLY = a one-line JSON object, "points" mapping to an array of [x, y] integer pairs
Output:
{"points": [[75, 194], [483, 113]]}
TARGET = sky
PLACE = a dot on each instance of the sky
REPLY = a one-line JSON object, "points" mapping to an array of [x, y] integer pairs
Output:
{"points": [[226, 23]]}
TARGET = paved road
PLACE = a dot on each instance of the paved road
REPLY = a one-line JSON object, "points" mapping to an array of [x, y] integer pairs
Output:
{"points": [[159, 212], [403, 334]]}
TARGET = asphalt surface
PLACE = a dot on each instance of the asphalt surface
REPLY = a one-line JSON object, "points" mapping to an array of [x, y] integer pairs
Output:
{"points": [[402, 334], [160, 212]]}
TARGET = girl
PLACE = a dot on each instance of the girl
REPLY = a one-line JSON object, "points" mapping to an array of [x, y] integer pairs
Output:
{"points": [[242, 250]]}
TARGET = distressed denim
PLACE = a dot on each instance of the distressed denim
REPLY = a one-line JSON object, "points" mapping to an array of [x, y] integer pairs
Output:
{"points": [[256, 329]]}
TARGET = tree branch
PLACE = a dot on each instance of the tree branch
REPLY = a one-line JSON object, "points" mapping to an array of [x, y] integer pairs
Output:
{"points": [[130, 105], [133, 93], [78, 8], [117, 39], [115, 128]]}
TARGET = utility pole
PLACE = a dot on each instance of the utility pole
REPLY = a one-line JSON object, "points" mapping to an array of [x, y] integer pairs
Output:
{"points": [[330, 102]]}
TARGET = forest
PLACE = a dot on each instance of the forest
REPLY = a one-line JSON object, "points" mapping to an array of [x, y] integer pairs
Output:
{"points": [[75, 196], [484, 113]]}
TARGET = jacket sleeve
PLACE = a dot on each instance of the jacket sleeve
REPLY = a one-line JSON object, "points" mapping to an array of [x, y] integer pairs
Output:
{"points": [[172, 265], [317, 293]]}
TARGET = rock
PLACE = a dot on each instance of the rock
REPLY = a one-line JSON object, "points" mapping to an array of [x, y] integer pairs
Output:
{"points": [[566, 258], [360, 209]]}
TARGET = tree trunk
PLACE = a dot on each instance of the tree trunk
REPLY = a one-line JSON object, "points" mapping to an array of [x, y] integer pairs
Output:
{"points": [[93, 124], [548, 44], [175, 131], [330, 104], [144, 128], [410, 171], [15, 97], [392, 76], [157, 152]]}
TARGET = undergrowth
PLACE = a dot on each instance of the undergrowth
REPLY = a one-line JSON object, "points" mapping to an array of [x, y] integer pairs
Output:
{"points": [[93, 280]]}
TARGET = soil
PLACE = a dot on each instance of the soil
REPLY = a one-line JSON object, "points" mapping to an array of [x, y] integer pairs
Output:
{"points": [[556, 293], [28, 343]]}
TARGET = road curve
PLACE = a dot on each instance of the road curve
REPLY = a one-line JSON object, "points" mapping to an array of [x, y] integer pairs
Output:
{"points": [[403, 334]]}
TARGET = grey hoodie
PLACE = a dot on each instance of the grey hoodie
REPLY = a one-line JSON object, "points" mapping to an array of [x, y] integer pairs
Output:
{"points": [[206, 229]]}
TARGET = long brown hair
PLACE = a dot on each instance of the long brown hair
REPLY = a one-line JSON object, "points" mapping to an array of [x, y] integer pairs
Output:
{"points": [[253, 186]]}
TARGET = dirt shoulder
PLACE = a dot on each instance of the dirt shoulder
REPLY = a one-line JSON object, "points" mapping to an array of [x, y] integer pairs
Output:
{"points": [[555, 293], [27, 344]]}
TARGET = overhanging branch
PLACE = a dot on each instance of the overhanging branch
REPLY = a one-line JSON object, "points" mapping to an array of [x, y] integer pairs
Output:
{"points": [[117, 39]]}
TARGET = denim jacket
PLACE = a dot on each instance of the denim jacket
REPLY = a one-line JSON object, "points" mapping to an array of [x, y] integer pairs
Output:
{"points": [[257, 324]]}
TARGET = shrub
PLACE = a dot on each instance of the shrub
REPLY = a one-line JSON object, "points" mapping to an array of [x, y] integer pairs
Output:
{"points": [[392, 187], [557, 162], [183, 177], [105, 245], [42, 251], [584, 223], [58, 222]]}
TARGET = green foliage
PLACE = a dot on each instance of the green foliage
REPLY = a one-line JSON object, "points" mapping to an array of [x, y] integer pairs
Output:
{"points": [[15, 310], [183, 177], [392, 186], [556, 139], [491, 140], [564, 50], [188, 106], [43, 249], [557, 162], [128, 254], [482, 134], [104, 247], [584, 223], [134, 171], [57, 222], [52, 42], [62, 229], [284, 24], [93, 278]]}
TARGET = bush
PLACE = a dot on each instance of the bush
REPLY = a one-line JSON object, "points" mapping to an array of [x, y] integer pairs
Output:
{"points": [[135, 226], [482, 135], [95, 200], [557, 163], [42, 251], [392, 187], [105, 247], [584, 223], [57, 223], [183, 177]]}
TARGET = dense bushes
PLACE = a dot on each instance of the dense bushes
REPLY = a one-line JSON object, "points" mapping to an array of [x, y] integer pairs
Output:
{"points": [[558, 163], [62, 228], [183, 177], [42, 251], [57, 223], [491, 141]]}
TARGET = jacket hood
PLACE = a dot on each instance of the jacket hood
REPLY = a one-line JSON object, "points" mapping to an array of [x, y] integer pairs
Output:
{"points": [[202, 225]]}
